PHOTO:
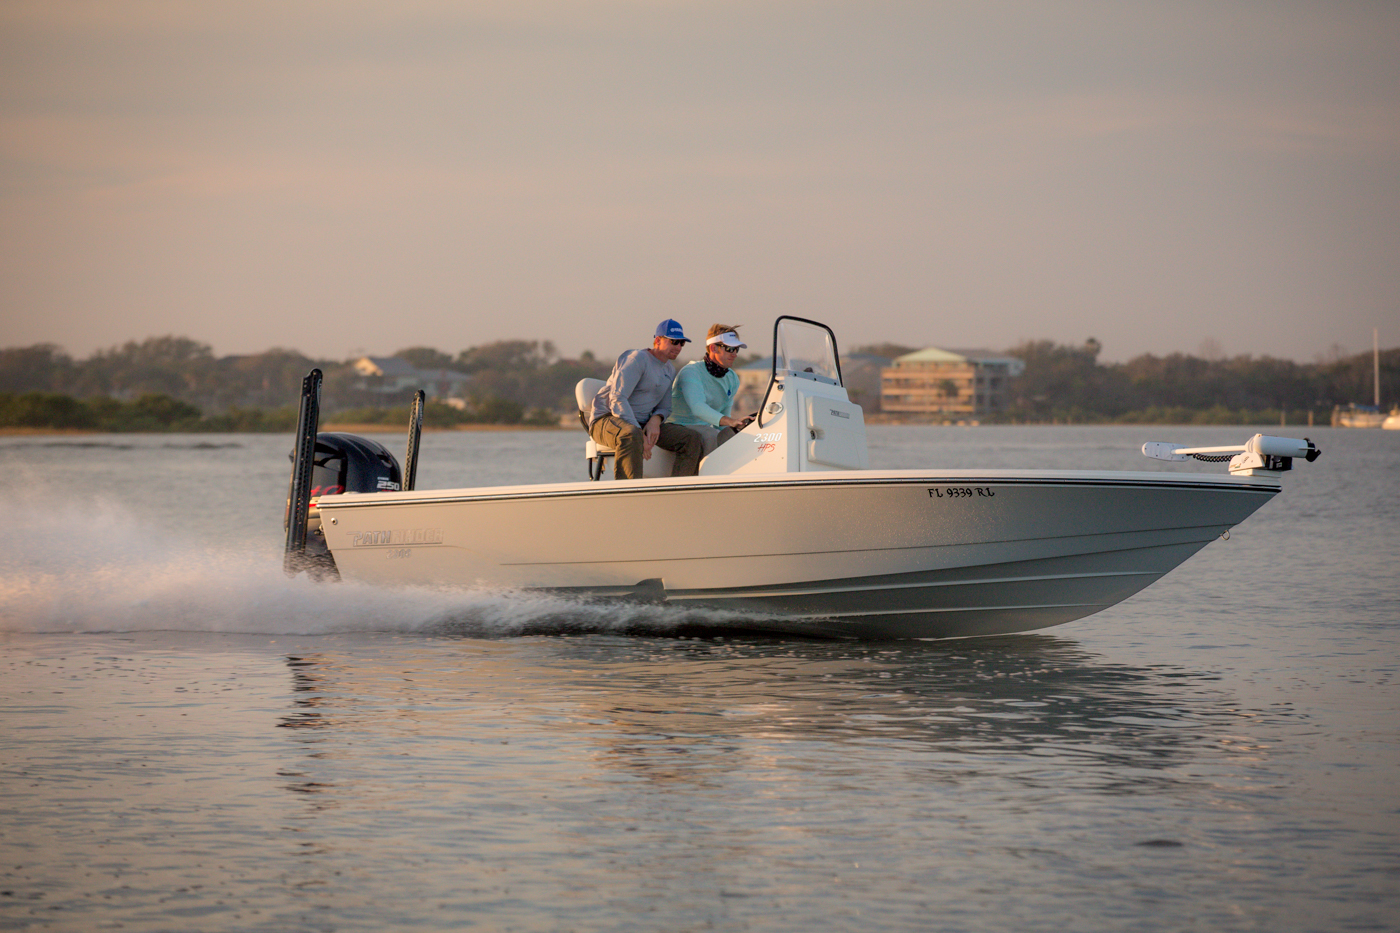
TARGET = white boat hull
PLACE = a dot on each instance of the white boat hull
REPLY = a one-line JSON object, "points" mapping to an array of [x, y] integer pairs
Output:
{"points": [[1360, 419], [868, 554]]}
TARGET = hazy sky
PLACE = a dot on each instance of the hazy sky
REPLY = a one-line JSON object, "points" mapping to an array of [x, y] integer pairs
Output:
{"points": [[350, 176]]}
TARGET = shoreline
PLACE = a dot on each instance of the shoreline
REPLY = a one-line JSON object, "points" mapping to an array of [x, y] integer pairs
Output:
{"points": [[402, 429], [342, 428]]}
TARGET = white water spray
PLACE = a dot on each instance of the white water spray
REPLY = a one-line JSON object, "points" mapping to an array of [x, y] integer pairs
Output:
{"points": [[92, 566]]}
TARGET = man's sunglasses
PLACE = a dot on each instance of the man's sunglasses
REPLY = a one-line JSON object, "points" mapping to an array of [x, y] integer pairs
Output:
{"points": [[677, 343]]}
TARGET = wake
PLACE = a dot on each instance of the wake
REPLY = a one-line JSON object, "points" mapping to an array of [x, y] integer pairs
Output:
{"points": [[92, 567]]}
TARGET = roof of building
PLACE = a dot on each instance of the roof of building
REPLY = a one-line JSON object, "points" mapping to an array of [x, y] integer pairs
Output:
{"points": [[930, 355], [936, 355], [384, 366], [395, 368]]}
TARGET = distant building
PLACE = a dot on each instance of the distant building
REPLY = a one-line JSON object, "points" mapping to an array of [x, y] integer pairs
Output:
{"points": [[389, 372], [388, 375], [947, 383]]}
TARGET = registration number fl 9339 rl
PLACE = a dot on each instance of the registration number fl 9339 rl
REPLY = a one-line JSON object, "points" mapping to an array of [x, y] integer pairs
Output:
{"points": [[961, 492]]}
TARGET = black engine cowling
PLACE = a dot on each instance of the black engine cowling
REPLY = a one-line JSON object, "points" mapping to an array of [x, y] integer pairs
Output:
{"points": [[349, 463], [343, 463]]}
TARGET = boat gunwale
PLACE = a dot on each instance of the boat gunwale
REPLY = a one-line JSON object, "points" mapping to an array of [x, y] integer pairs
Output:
{"points": [[851, 478]]}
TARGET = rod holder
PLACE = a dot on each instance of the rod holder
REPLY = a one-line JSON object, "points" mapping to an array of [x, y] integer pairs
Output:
{"points": [[415, 431], [299, 491]]}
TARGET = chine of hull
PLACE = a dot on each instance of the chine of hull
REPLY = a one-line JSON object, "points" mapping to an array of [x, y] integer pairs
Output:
{"points": [[982, 599], [885, 555]]}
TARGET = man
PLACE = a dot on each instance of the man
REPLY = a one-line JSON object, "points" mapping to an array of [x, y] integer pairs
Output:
{"points": [[629, 413]]}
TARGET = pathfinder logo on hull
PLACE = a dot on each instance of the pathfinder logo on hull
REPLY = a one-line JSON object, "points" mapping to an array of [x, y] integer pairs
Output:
{"points": [[397, 537]]}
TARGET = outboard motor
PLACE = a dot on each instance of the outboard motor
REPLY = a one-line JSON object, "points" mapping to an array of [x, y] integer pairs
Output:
{"points": [[350, 463], [328, 464], [342, 463]]}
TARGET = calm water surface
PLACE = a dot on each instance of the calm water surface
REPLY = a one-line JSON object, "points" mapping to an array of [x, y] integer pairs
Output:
{"points": [[190, 741]]}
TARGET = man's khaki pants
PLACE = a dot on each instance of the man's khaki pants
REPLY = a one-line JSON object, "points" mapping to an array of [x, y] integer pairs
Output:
{"points": [[628, 441]]}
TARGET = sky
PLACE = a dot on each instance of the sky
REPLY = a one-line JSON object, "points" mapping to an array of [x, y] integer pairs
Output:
{"points": [[358, 177]]}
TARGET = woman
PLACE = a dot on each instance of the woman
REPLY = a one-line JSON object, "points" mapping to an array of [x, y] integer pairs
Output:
{"points": [[704, 390]]}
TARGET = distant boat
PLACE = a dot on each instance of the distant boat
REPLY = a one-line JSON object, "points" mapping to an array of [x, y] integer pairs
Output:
{"points": [[1360, 416], [1392, 421], [1368, 416]]}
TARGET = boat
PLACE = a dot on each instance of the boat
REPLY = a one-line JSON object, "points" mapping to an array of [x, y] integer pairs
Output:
{"points": [[833, 548], [1358, 416], [1392, 420]]}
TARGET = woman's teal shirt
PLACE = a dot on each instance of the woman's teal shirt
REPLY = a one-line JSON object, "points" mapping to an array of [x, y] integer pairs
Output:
{"points": [[699, 398]]}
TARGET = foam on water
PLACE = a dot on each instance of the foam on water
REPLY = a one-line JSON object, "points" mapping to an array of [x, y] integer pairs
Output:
{"points": [[92, 566]]}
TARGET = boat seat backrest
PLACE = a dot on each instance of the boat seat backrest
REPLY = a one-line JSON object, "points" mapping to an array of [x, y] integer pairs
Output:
{"points": [[594, 454], [583, 395]]}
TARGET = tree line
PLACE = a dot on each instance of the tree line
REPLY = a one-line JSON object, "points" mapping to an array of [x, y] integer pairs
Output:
{"points": [[179, 383], [175, 383], [1069, 383]]}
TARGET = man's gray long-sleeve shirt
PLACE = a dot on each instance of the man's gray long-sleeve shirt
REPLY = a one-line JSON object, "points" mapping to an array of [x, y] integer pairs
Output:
{"points": [[639, 387]]}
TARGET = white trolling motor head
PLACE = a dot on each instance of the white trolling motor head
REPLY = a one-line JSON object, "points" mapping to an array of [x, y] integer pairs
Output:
{"points": [[1261, 455]]}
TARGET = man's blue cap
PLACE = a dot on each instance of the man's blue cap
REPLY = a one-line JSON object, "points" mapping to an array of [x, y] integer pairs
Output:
{"points": [[671, 329]]}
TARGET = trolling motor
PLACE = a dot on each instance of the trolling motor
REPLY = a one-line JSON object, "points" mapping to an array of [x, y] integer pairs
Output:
{"points": [[1261, 455], [331, 463]]}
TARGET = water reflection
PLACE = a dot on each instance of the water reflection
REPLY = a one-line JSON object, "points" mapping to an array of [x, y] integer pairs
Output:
{"points": [[1038, 710]]}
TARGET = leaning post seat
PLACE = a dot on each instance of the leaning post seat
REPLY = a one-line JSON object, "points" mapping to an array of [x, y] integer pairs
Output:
{"points": [[595, 456]]}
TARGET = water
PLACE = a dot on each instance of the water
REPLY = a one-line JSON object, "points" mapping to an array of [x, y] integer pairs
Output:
{"points": [[191, 741]]}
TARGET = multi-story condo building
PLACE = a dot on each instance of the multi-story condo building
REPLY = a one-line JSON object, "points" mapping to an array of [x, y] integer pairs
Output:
{"points": [[946, 383]]}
